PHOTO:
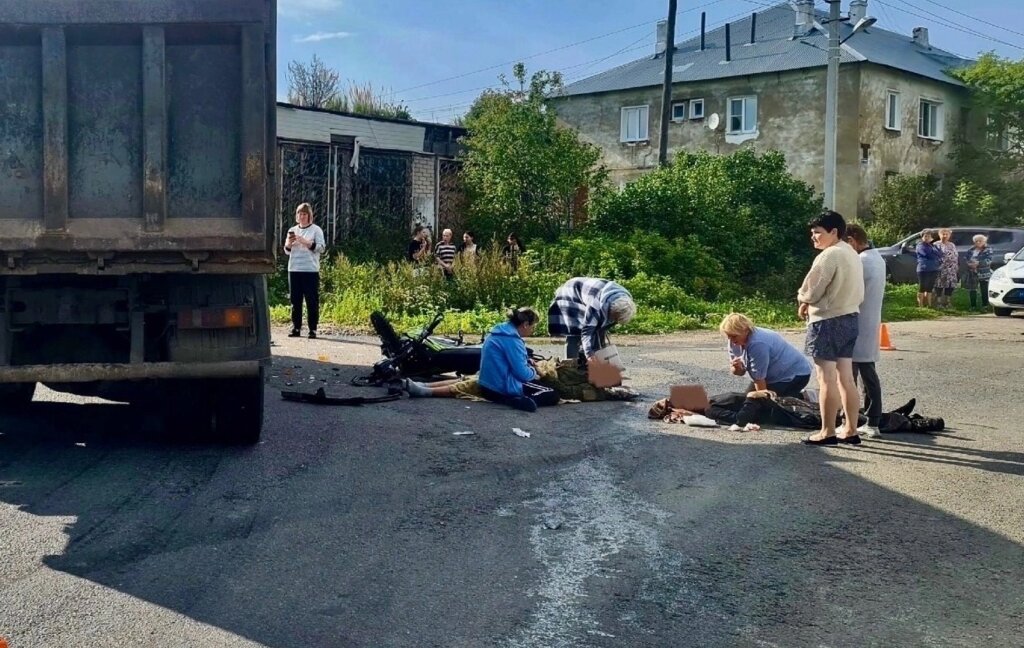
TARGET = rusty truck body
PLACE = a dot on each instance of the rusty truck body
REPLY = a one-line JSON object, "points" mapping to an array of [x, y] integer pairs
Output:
{"points": [[137, 193]]}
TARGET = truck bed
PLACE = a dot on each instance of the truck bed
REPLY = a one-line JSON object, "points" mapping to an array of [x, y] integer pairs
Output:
{"points": [[137, 136]]}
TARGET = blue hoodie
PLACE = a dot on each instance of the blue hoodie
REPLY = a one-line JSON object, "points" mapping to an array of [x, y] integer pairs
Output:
{"points": [[503, 362]]}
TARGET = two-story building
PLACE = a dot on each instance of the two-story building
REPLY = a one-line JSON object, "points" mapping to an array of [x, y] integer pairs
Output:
{"points": [[760, 82]]}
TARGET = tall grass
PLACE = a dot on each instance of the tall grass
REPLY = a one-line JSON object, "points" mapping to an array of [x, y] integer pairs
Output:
{"points": [[478, 295]]}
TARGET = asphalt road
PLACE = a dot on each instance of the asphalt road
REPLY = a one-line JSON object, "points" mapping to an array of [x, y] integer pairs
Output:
{"points": [[376, 526]]}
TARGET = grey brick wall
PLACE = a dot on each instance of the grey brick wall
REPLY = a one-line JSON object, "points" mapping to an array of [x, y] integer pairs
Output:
{"points": [[423, 189]]}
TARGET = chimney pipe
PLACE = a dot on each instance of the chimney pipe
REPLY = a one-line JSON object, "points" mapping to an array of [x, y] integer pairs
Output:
{"points": [[661, 37], [921, 37], [858, 10], [703, 25], [728, 43], [753, 28], [804, 10]]}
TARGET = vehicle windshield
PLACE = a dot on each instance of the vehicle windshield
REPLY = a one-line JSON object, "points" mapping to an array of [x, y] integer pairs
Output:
{"points": [[1020, 255]]}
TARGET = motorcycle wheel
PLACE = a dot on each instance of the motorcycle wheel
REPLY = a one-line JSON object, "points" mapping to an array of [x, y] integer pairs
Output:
{"points": [[386, 333]]}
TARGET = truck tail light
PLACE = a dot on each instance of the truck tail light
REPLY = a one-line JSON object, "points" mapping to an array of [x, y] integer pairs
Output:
{"points": [[215, 318]]}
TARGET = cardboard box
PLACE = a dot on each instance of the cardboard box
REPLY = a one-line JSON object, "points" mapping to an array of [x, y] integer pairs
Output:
{"points": [[692, 398]]}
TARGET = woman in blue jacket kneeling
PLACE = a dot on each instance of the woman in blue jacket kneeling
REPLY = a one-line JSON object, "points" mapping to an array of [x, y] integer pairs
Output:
{"points": [[506, 373]]}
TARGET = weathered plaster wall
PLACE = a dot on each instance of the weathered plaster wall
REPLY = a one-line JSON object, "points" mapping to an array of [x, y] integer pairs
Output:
{"points": [[904, 151], [791, 119]]}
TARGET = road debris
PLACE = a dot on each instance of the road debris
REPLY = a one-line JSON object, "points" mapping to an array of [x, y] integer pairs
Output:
{"points": [[521, 433], [463, 433]]}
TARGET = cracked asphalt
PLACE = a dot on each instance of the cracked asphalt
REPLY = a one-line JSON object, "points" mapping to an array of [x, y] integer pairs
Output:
{"points": [[376, 526]]}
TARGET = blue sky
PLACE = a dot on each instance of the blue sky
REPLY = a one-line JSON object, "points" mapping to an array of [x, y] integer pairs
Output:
{"points": [[437, 55]]}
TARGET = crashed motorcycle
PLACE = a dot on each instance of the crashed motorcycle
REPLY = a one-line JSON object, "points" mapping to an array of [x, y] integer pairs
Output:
{"points": [[419, 353]]}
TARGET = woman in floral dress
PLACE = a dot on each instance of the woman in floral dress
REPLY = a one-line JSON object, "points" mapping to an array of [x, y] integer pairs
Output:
{"points": [[949, 272]]}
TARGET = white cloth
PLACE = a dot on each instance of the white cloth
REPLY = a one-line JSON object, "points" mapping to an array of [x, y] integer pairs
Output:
{"points": [[299, 258], [699, 420], [869, 322]]}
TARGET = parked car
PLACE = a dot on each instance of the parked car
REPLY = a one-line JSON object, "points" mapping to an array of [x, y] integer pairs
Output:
{"points": [[1006, 287], [901, 260]]}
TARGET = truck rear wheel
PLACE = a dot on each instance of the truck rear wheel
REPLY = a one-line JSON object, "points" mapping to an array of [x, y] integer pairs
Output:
{"points": [[15, 395], [226, 410], [236, 413]]}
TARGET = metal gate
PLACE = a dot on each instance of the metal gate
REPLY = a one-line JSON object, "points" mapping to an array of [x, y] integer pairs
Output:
{"points": [[371, 204], [451, 200]]}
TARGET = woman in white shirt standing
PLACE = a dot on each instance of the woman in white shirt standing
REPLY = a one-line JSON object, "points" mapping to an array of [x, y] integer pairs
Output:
{"points": [[304, 245]]}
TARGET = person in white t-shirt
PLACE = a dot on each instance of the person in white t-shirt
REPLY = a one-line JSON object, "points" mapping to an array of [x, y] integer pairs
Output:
{"points": [[304, 245]]}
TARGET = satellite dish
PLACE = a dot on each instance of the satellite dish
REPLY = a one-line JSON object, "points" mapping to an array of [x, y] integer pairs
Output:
{"points": [[714, 121]]}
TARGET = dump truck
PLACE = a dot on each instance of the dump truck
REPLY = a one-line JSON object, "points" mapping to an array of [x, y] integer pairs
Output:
{"points": [[137, 205]]}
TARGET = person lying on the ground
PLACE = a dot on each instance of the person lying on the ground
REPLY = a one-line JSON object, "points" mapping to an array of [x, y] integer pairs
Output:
{"points": [[566, 377], [584, 309], [772, 363], [507, 375]]}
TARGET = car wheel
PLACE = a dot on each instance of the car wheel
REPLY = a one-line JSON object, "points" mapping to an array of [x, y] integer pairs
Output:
{"points": [[1002, 312]]}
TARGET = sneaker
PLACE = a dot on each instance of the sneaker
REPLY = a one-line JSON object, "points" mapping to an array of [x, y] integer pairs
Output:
{"points": [[870, 431], [294, 333], [312, 335]]}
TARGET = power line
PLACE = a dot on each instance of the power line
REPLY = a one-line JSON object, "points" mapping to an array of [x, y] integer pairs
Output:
{"points": [[550, 51], [975, 18], [525, 58], [939, 21], [452, 108]]}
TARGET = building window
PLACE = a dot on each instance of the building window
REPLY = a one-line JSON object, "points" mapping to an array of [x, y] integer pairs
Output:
{"points": [[893, 119], [929, 124], [696, 109], [743, 115], [679, 111], [634, 124]]}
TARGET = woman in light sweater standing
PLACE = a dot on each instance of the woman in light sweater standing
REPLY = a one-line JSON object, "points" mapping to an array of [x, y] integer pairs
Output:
{"points": [[304, 245], [830, 299]]}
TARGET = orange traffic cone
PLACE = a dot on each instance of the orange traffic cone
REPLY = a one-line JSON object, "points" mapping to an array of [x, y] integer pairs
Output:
{"points": [[885, 342]]}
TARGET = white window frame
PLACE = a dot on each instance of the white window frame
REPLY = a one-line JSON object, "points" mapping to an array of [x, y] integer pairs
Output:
{"points": [[747, 101], [643, 123], [676, 104], [694, 103], [937, 119], [893, 114]]}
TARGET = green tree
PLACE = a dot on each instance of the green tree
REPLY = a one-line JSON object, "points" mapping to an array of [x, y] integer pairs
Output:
{"points": [[987, 187], [317, 85], [906, 204], [522, 171], [744, 208]]}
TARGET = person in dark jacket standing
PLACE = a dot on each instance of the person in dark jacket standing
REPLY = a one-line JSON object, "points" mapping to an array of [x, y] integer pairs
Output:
{"points": [[929, 262], [304, 245]]}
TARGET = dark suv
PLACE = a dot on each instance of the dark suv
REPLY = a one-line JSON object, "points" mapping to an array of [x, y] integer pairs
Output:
{"points": [[901, 259]]}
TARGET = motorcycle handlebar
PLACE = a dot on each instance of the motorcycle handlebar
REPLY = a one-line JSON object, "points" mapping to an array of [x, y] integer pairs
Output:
{"points": [[429, 330]]}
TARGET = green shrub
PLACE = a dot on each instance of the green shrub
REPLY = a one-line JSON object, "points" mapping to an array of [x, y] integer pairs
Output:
{"points": [[716, 222]]}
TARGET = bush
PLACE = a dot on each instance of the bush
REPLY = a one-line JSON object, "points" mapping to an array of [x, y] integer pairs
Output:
{"points": [[905, 204], [738, 220]]}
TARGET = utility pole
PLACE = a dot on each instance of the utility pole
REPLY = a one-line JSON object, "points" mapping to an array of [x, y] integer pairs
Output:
{"points": [[666, 90], [832, 103]]}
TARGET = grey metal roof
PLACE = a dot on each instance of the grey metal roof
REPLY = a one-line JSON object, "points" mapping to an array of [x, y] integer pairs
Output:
{"points": [[775, 50]]}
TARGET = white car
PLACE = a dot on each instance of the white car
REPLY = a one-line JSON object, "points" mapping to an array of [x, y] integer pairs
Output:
{"points": [[1006, 286]]}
